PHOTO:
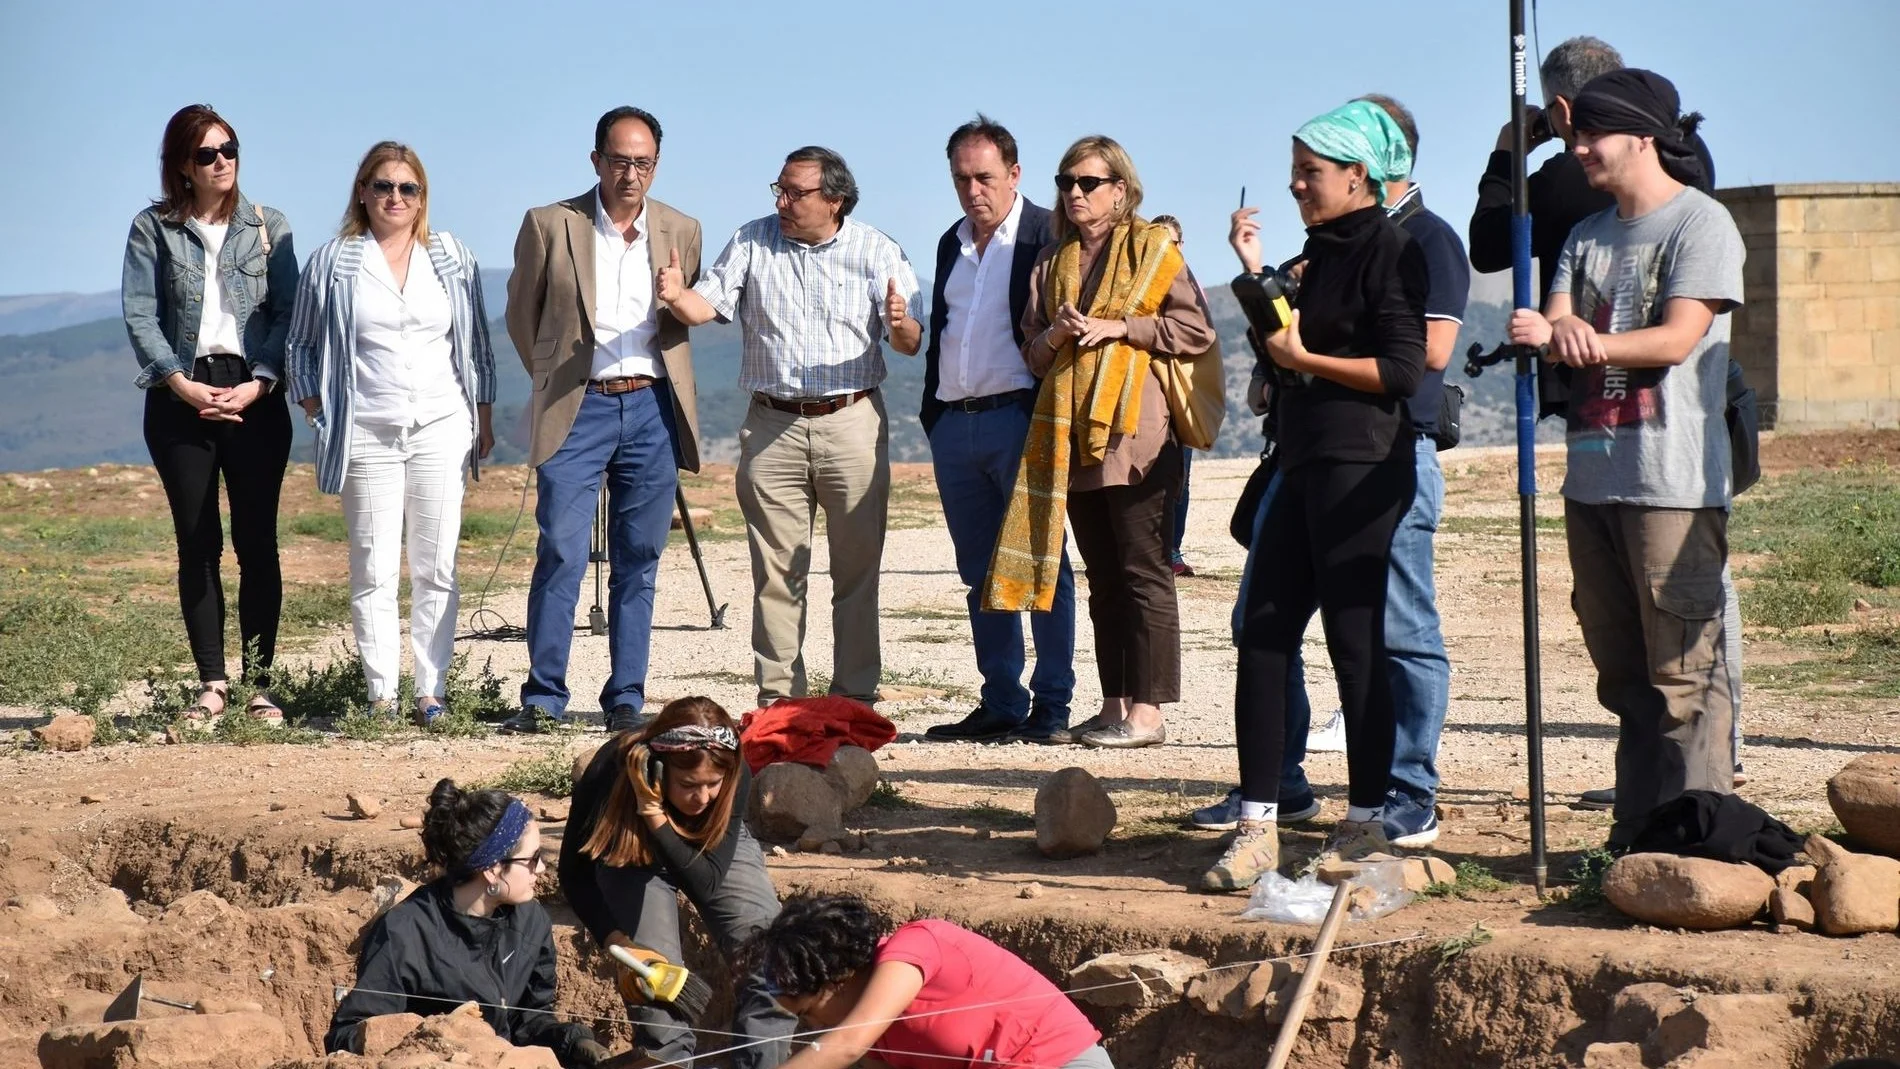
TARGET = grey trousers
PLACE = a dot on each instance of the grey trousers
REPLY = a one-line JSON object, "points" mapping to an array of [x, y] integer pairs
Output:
{"points": [[1649, 598], [645, 905]]}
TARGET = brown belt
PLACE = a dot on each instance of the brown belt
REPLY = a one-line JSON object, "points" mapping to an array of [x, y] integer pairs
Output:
{"points": [[622, 385], [822, 407]]}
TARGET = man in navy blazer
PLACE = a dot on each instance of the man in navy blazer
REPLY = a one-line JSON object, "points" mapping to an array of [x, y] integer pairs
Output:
{"points": [[979, 398]]}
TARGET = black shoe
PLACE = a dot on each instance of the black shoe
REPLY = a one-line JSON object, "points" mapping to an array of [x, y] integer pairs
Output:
{"points": [[626, 718], [1604, 798], [531, 720], [982, 725], [1044, 727]]}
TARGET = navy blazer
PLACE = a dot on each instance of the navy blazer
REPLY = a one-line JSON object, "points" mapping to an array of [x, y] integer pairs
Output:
{"points": [[1032, 233]]}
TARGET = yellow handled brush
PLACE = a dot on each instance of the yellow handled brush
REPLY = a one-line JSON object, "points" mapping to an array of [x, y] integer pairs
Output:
{"points": [[663, 981]]}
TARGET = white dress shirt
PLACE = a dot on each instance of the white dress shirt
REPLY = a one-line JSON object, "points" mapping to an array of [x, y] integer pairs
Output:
{"points": [[979, 356], [217, 323], [405, 367], [626, 317]]}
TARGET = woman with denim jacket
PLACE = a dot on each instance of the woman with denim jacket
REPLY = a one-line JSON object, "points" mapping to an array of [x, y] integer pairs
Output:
{"points": [[389, 357], [207, 290]]}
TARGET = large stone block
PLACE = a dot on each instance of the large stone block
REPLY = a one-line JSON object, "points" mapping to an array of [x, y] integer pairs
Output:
{"points": [[188, 1041]]}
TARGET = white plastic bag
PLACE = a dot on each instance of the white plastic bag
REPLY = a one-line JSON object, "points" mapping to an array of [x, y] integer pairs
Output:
{"points": [[1305, 900]]}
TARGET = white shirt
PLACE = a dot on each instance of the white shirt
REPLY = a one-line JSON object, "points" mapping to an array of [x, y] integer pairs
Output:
{"points": [[405, 366], [626, 317], [979, 356], [217, 323]]}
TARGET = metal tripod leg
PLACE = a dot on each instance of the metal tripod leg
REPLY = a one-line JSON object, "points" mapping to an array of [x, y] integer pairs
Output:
{"points": [[713, 605], [597, 556]]}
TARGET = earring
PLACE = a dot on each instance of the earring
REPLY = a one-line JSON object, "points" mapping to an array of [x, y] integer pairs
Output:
{"points": [[494, 890], [187, 183]]}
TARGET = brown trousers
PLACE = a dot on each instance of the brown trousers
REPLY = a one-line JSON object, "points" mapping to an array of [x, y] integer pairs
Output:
{"points": [[1125, 535], [1649, 598]]}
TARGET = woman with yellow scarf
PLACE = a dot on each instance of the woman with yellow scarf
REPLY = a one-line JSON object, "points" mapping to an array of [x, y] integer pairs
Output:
{"points": [[1130, 371]]}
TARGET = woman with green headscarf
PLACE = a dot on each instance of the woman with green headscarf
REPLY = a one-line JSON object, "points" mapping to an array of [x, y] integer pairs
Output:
{"points": [[1355, 350]]}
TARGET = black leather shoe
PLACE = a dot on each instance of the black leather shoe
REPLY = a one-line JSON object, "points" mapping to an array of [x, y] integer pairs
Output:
{"points": [[982, 725], [1044, 728], [624, 718], [531, 720]]}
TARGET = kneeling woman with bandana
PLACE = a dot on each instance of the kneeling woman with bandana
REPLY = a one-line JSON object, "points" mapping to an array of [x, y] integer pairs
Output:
{"points": [[656, 813], [476, 934], [929, 995]]}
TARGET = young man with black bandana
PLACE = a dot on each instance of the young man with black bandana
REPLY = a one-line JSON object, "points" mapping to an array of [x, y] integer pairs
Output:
{"points": [[1639, 310]]}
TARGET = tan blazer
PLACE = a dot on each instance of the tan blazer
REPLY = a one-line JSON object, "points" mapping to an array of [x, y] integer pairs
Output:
{"points": [[551, 317]]}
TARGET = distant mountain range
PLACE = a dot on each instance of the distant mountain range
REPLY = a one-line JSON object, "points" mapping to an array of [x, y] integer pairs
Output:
{"points": [[66, 396]]}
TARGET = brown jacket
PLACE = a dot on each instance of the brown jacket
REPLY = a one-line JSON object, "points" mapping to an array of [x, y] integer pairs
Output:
{"points": [[551, 317]]}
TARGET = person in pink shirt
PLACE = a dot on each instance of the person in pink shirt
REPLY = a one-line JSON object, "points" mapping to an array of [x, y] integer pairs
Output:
{"points": [[929, 995]]}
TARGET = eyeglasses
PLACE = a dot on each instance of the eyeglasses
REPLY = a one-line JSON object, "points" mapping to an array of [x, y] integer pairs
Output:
{"points": [[536, 864], [780, 192], [205, 157], [623, 164], [383, 187], [1089, 182]]}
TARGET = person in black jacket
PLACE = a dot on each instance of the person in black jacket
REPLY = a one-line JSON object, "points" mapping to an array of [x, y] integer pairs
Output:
{"points": [[1353, 354], [655, 815], [475, 934]]}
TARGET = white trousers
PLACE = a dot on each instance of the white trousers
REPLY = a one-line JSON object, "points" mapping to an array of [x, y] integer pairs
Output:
{"points": [[411, 474]]}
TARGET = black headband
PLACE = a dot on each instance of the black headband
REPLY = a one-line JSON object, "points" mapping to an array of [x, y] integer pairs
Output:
{"points": [[1645, 104]]}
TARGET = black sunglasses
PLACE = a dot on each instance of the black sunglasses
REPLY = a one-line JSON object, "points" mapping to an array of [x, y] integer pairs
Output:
{"points": [[383, 187], [204, 157], [537, 863], [1089, 182]]}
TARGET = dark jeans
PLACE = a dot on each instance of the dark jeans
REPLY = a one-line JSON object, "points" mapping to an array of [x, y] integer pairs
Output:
{"points": [[645, 905], [190, 454], [627, 440], [1181, 501], [1123, 533], [1328, 535], [975, 456]]}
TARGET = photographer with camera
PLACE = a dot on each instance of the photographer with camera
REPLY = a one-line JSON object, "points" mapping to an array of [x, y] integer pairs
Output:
{"points": [[1639, 310], [1351, 354]]}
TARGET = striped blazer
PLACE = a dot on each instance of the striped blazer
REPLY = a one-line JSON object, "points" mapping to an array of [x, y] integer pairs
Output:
{"points": [[320, 356]]}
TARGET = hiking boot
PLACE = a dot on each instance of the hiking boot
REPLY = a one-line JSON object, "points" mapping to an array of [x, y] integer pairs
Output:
{"points": [[1254, 852], [1352, 840], [1411, 826]]}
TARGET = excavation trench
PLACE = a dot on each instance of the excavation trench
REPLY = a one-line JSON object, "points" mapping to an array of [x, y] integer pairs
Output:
{"points": [[275, 919]]}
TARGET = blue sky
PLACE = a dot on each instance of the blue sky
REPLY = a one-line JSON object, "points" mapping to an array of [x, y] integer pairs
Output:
{"points": [[500, 100]]}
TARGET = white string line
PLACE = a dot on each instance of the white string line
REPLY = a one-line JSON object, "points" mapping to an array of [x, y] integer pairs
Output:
{"points": [[755, 1042]]}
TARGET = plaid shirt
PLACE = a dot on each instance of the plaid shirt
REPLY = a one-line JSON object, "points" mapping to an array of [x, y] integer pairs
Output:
{"points": [[812, 316]]}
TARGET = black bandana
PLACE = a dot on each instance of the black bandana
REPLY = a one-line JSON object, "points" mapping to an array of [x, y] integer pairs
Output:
{"points": [[1644, 103]]}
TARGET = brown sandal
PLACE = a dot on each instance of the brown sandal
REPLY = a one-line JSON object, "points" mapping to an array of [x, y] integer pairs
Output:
{"points": [[264, 709], [200, 713]]}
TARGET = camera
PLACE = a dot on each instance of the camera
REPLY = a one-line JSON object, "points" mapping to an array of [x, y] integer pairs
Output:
{"points": [[1266, 299], [1540, 129]]}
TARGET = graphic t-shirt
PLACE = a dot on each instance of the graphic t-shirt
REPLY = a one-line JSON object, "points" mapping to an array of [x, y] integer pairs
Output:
{"points": [[1652, 436]]}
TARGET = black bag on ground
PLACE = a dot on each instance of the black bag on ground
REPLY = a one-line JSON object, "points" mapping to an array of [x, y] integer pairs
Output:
{"points": [[1721, 827], [1744, 430]]}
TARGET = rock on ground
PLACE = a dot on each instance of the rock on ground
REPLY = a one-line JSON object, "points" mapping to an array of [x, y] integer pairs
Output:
{"points": [[187, 1041], [68, 733], [1865, 795], [1792, 909], [1752, 1029], [1687, 892], [791, 802], [1140, 978], [1639, 1009], [1073, 814], [853, 775], [1853, 893]]}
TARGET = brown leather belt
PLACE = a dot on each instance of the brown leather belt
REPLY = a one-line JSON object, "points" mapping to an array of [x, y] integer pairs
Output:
{"points": [[822, 407], [622, 385]]}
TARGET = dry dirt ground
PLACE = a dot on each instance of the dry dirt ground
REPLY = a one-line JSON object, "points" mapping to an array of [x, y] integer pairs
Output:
{"points": [[101, 851]]}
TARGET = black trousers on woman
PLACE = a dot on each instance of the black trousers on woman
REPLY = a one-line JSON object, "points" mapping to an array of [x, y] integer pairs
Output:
{"points": [[1325, 543], [190, 454], [1125, 535]]}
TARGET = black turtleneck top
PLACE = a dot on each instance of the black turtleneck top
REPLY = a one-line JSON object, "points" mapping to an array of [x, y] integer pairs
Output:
{"points": [[1362, 295]]}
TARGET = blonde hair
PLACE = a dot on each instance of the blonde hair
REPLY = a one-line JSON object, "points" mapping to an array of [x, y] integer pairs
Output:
{"points": [[356, 216], [1119, 165]]}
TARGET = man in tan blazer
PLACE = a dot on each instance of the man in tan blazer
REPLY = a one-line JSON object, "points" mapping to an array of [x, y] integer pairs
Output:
{"points": [[613, 399]]}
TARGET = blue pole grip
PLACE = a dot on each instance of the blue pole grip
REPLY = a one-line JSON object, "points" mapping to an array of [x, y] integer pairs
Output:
{"points": [[1526, 379]]}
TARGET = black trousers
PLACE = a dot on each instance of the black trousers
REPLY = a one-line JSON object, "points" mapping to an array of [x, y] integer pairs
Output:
{"points": [[1325, 543], [1125, 535], [190, 454]]}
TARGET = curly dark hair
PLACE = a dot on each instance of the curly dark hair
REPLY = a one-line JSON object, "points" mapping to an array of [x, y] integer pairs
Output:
{"points": [[457, 821], [816, 941]]}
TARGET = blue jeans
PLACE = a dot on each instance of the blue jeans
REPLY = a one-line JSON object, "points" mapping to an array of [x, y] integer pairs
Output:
{"points": [[1295, 792], [1181, 501], [1415, 652], [627, 439], [975, 456]]}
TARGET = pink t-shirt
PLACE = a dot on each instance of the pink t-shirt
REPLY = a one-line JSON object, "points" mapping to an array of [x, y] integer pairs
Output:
{"points": [[979, 1004]]}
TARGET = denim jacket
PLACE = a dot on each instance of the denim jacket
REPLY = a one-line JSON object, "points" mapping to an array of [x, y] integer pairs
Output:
{"points": [[164, 284]]}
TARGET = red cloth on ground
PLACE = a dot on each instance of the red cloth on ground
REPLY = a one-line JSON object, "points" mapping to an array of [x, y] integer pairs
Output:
{"points": [[979, 1004], [810, 730]]}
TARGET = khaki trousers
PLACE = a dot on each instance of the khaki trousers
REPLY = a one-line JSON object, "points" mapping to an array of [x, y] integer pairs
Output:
{"points": [[789, 467], [1649, 599]]}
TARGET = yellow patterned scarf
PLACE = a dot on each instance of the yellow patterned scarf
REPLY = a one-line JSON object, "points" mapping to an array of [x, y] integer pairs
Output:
{"points": [[1089, 393]]}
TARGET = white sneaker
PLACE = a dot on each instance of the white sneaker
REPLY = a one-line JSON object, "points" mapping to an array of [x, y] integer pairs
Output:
{"points": [[1328, 737]]}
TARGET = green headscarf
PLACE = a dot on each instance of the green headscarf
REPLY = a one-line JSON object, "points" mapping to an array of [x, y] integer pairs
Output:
{"points": [[1361, 132]]}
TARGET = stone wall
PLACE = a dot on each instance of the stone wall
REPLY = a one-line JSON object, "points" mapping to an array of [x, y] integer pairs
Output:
{"points": [[1819, 336]]}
